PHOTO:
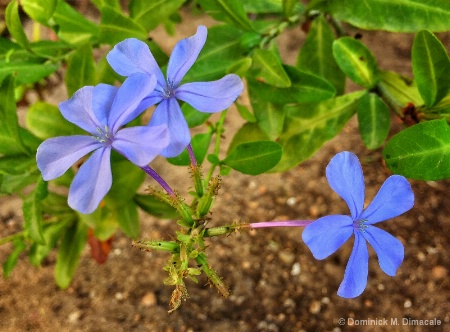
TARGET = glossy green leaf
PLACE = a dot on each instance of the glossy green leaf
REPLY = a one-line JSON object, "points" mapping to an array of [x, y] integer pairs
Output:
{"points": [[193, 117], [288, 7], [150, 14], [400, 89], [80, 69], [393, 15], [254, 157], [267, 68], [45, 121], [15, 28], [230, 11], [115, 27], [13, 258], [155, 207], [39, 10], [10, 139], [221, 51], [304, 88], [32, 212], [373, 120], [71, 26], [420, 152], [111, 3], [27, 71], [70, 249], [431, 67], [245, 113], [249, 132], [17, 164], [309, 126], [200, 144], [55, 50], [356, 61], [314, 56], [51, 234]]}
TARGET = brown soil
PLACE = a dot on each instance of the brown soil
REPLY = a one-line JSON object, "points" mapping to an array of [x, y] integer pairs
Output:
{"points": [[276, 284]]}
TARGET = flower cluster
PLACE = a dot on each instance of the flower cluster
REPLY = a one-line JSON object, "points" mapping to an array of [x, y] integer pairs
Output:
{"points": [[102, 111]]}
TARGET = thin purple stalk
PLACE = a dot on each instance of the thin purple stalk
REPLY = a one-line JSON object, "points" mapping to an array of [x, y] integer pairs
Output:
{"points": [[191, 155], [150, 171], [286, 223]]}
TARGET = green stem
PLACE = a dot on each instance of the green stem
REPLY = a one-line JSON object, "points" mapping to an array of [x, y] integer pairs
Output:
{"points": [[12, 237], [218, 130]]}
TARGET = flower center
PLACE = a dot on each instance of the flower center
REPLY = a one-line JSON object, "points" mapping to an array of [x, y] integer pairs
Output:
{"points": [[360, 225], [104, 136], [169, 90]]}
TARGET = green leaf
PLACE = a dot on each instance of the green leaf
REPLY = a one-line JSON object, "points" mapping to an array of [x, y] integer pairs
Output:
{"points": [[39, 10], [115, 27], [13, 258], [304, 88], [10, 139], [15, 28], [221, 51], [374, 120], [155, 207], [71, 247], [267, 68], [421, 152], [45, 121], [80, 69], [356, 61], [71, 26], [200, 144], [249, 132], [315, 58], [111, 3], [55, 50], [254, 157], [27, 71], [431, 67], [193, 117], [127, 180], [150, 14], [288, 7], [32, 212], [245, 113], [17, 164], [230, 11], [51, 234], [127, 217], [393, 15], [309, 126], [398, 88]]}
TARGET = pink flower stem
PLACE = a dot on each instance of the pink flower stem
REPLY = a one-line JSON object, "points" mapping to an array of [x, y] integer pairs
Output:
{"points": [[150, 171], [191, 155]]}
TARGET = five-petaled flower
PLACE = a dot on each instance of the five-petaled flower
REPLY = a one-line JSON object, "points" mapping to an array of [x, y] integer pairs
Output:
{"points": [[327, 234], [101, 111], [133, 56]]}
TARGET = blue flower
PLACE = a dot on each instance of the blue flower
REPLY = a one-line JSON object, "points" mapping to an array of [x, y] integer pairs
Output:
{"points": [[327, 234], [101, 111], [133, 56]]}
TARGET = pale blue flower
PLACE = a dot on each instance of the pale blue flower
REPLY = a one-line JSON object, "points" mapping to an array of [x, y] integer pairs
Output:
{"points": [[101, 111], [327, 234], [133, 56]]}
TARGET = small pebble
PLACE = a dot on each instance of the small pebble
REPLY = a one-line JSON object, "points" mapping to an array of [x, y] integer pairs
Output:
{"points": [[314, 308], [439, 272], [74, 316], [407, 304], [291, 201], [148, 300], [295, 271], [286, 257]]}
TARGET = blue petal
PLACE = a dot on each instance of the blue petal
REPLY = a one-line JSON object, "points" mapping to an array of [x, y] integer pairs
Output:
{"points": [[184, 55], [55, 155], [327, 234], [390, 250], [102, 100], [345, 177], [394, 198], [141, 144], [211, 97], [356, 272], [92, 182], [133, 56], [127, 103], [168, 113], [78, 110]]}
